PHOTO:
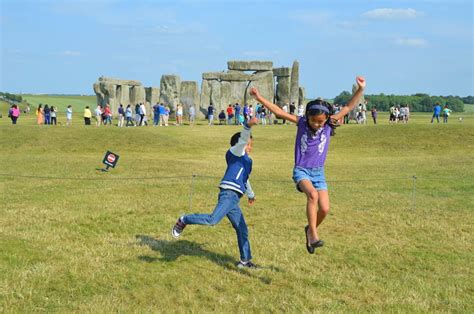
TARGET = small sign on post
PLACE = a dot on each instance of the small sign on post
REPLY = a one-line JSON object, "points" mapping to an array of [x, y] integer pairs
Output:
{"points": [[110, 160]]}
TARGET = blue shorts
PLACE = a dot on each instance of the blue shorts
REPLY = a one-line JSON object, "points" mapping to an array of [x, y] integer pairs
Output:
{"points": [[315, 175]]}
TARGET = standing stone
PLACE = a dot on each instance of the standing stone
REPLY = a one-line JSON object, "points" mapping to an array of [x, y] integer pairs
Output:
{"points": [[123, 94], [189, 96], [237, 89], [152, 95], [137, 96], [264, 83], [283, 90], [216, 94], [205, 98], [226, 98], [170, 86], [99, 94], [294, 83], [301, 97]]}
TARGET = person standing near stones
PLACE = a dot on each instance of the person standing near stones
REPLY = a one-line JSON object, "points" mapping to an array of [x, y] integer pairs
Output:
{"points": [[237, 114], [210, 113], [121, 116], [142, 112], [230, 114], [156, 114], [128, 116], [292, 108], [98, 115], [191, 114], [179, 114], [285, 109]]}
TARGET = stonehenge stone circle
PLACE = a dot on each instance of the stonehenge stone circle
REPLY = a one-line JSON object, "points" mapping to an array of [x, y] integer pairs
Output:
{"points": [[221, 88]]}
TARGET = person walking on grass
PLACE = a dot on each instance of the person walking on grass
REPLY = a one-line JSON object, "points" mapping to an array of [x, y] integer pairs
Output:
{"points": [[53, 113], [121, 116], [47, 114], [446, 113], [39, 115], [98, 115], [87, 116], [436, 112], [69, 115], [192, 114], [311, 146], [233, 186], [14, 113], [128, 116]]}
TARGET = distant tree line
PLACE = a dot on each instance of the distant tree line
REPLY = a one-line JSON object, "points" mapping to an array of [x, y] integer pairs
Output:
{"points": [[11, 97], [417, 102]]}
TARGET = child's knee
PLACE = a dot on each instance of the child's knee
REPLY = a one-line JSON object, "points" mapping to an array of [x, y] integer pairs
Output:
{"points": [[324, 210], [312, 196]]}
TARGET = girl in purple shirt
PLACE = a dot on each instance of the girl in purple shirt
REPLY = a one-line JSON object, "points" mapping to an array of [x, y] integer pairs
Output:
{"points": [[312, 141]]}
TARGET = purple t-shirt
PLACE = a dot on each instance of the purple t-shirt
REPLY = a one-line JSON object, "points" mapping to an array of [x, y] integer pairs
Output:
{"points": [[311, 149]]}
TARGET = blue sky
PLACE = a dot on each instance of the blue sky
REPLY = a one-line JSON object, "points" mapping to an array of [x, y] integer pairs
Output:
{"points": [[401, 47]]}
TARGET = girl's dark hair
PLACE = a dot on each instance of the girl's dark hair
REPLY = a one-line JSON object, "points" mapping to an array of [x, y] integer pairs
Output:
{"points": [[319, 106]]}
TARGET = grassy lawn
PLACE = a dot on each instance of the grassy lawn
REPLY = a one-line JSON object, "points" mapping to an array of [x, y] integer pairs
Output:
{"points": [[75, 239]]}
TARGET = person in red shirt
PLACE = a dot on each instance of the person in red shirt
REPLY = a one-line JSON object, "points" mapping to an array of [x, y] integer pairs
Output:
{"points": [[230, 114]]}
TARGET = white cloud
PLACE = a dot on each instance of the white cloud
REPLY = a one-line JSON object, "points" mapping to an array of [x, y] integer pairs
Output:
{"points": [[411, 42], [69, 53], [391, 14]]}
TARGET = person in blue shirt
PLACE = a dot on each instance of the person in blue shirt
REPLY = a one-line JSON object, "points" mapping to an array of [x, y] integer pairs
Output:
{"points": [[156, 114], [237, 114], [233, 186], [436, 112]]}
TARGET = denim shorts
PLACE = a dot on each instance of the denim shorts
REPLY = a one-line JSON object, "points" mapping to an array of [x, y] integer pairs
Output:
{"points": [[315, 175]]}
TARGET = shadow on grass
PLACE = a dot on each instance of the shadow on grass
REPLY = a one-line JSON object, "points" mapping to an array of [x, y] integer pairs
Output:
{"points": [[171, 250]]}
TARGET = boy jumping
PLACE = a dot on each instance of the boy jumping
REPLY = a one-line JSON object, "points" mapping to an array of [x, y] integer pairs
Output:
{"points": [[233, 186]]}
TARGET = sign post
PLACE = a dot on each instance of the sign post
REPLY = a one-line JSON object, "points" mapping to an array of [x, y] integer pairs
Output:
{"points": [[110, 160]]}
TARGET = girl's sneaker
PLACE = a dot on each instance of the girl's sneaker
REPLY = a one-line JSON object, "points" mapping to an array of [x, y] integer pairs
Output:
{"points": [[178, 228]]}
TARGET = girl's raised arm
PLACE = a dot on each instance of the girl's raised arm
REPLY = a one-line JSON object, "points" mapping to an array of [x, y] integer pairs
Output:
{"points": [[354, 100], [279, 113]]}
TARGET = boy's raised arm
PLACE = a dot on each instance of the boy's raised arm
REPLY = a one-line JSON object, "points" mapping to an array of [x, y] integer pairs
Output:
{"points": [[239, 148], [354, 100], [280, 113]]}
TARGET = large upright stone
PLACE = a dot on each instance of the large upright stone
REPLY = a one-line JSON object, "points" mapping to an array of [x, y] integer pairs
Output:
{"points": [[152, 95], [283, 90], [216, 94], [226, 91], [205, 98], [265, 84], [137, 96], [294, 83], [237, 89], [114, 92], [170, 87], [282, 71], [302, 96], [189, 96], [250, 65]]}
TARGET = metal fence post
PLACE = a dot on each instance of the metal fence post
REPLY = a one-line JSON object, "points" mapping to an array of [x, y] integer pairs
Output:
{"points": [[414, 193]]}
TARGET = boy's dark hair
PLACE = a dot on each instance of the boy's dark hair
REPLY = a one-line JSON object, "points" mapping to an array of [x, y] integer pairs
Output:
{"points": [[235, 138], [319, 106]]}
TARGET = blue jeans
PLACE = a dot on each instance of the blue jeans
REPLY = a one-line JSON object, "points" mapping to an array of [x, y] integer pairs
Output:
{"points": [[156, 119], [227, 205]]}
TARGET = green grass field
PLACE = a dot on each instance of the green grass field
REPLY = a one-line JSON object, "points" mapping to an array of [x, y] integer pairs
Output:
{"points": [[75, 239]]}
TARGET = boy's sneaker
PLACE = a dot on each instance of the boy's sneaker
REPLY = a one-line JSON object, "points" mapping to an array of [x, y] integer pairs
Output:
{"points": [[247, 264], [178, 228]]}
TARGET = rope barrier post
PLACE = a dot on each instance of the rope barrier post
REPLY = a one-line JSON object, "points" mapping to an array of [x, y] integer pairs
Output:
{"points": [[414, 193], [191, 192]]}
